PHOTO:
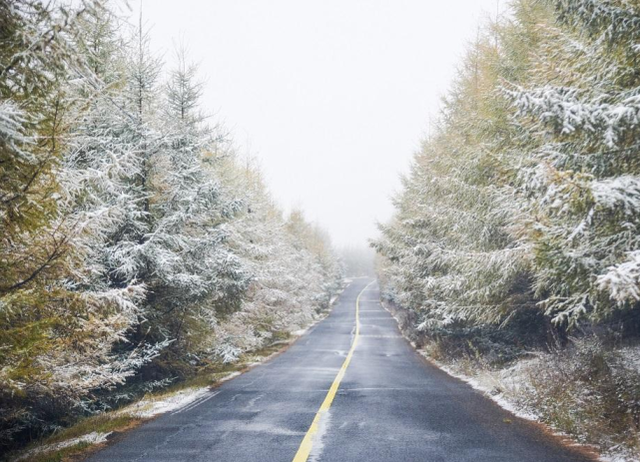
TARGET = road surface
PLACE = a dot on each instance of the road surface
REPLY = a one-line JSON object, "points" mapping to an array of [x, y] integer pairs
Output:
{"points": [[386, 404]]}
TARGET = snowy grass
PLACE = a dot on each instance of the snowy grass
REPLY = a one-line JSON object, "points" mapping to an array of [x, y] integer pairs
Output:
{"points": [[92, 438], [502, 386], [153, 406]]}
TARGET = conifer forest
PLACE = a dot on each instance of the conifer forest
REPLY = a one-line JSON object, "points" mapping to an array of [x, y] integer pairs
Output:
{"points": [[144, 258]]}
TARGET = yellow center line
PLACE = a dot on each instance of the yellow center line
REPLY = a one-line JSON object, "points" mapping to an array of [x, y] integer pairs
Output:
{"points": [[307, 443]]}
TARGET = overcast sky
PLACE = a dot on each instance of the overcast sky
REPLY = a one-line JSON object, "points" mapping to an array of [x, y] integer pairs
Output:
{"points": [[332, 96]]}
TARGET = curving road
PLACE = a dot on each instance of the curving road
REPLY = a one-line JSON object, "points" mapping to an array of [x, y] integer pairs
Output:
{"points": [[386, 405]]}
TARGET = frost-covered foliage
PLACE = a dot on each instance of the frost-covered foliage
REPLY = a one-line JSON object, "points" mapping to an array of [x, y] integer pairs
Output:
{"points": [[55, 338], [580, 104], [134, 248], [587, 391], [294, 269], [455, 251], [527, 196]]}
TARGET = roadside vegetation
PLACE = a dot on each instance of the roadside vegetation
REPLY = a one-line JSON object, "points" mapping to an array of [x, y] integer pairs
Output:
{"points": [[137, 249], [514, 252], [91, 432]]}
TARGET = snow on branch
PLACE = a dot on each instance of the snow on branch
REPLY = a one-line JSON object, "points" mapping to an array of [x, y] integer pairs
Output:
{"points": [[622, 191], [613, 19], [566, 113], [622, 281]]}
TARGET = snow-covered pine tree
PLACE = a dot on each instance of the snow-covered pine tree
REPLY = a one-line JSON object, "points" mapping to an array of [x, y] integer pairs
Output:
{"points": [[288, 288], [100, 179], [192, 275], [457, 253], [109, 165], [55, 337], [256, 236], [453, 256], [581, 108], [320, 266]]}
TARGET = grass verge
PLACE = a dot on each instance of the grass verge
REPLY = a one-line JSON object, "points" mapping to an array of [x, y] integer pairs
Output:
{"points": [[68, 445]]}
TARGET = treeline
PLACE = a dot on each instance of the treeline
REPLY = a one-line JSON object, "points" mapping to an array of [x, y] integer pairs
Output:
{"points": [[136, 249], [514, 252], [519, 223]]}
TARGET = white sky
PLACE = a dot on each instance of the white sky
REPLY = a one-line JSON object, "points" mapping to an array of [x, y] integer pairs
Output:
{"points": [[332, 96]]}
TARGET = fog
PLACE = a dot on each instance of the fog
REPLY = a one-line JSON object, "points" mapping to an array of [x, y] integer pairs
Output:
{"points": [[331, 96]]}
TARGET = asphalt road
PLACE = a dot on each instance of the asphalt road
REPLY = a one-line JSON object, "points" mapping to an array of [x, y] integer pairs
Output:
{"points": [[390, 406]]}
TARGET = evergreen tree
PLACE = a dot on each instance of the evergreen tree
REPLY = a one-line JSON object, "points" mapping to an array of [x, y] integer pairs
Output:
{"points": [[55, 339], [454, 254], [192, 272], [131, 249], [581, 103], [293, 273]]}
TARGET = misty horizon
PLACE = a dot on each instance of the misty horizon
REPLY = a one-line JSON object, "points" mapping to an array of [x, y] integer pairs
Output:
{"points": [[331, 99]]}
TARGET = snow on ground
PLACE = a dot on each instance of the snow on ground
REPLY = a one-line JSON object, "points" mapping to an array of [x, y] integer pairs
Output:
{"points": [[152, 407], [231, 375], [300, 332], [631, 356], [497, 386], [618, 458], [90, 438], [500, 386]]}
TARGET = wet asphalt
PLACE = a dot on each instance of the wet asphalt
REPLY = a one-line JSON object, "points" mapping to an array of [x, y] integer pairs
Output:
{"points": [[391, 406]]}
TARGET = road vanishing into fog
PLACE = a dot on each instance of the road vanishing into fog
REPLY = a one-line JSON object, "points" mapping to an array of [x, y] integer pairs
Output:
{"points": [[322, 400]]}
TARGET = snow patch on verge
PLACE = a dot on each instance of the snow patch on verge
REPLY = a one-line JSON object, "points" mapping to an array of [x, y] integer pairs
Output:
{"points": [[148, 408], [301, 332], [90, 438], [490, 386], [618, 458], [231, 375], [498, 385]]}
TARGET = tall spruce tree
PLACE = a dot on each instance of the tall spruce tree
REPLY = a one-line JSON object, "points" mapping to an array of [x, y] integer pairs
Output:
{"points": [[581, 107], [55, 338], [193, 274]]}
